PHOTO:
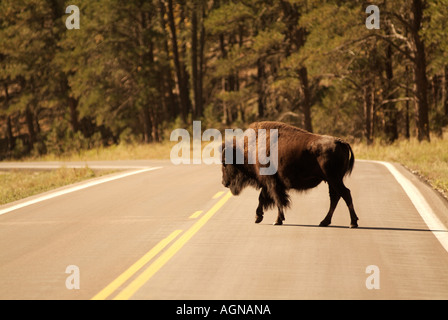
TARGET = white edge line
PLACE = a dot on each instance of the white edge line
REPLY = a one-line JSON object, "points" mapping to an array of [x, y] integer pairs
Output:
{"points": [[88, 184], [420, 203], [70, 166]]}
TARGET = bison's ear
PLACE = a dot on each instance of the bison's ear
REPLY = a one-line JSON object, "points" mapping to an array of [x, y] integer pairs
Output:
{"points": [[223, 147]]}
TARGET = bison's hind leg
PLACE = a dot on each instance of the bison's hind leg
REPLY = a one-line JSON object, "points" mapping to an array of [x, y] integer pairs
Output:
{"points": [[340, 189], [334, 199]]}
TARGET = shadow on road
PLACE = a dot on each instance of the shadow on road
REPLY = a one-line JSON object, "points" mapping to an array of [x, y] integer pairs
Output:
{"points": [[365, 228]]}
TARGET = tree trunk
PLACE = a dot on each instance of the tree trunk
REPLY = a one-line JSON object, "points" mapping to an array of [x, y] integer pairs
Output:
{"points": [[445, 93], [183, 55], [390, 109], [260, 81], [225, 111], [155, 126], [201, 65], [147, 125], [306, 101], [407, 107], [369, 99], [407, 118], [181, 83], [73, 104], [30, 124], [194, 62], [421, 105], [9, 134], [169, 82], [420, 78]]}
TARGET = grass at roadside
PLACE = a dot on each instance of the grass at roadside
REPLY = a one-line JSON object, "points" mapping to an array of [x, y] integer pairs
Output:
{"points": [[19, 184], [428, 160], [115, 152]]}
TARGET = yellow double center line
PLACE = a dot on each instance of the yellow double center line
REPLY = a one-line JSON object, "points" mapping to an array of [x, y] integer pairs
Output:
{"points": [[152, 269]]}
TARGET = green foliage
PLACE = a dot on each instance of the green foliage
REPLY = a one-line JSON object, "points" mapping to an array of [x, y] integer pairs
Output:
{"points": [[435, 32], [136, 70], [61, 140]]}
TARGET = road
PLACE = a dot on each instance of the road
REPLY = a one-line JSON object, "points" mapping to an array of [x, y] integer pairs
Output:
{"points": [[174, 232]]}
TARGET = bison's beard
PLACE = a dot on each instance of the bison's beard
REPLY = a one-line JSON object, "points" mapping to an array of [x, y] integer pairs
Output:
{"points": [[238, 183], [237, 179], [235, 188]]}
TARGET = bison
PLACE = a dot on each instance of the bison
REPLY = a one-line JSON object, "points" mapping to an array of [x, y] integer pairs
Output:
{"points": [[304, 161]]}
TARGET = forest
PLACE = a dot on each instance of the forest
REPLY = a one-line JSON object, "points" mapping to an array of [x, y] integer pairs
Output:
{"points": [[135, 70]]}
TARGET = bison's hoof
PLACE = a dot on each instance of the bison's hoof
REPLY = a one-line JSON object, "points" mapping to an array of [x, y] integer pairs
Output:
{"points": [[353, 226], [278, 223], [324, 224], [258, 219]]}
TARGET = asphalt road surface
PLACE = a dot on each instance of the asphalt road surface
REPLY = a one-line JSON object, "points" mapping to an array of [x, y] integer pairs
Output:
{"points": [[161, 231]]}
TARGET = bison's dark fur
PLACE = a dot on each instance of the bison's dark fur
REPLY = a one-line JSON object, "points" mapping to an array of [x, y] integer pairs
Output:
{"points": [[304, 161]]}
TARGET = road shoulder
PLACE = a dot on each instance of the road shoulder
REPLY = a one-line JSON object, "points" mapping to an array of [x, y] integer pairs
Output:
{"points": [[436, 201]]}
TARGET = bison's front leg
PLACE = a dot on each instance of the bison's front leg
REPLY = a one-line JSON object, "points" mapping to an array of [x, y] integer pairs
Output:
{"points": [[280, 217], [259, 214], [264, 202], [281, 199]]}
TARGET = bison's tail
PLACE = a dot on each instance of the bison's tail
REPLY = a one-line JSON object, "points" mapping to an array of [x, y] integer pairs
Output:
{"points": [[351, 164], [350, 161]]}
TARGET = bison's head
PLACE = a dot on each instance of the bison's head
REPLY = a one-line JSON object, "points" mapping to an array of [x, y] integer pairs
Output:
{"points": [[233, 176]]}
